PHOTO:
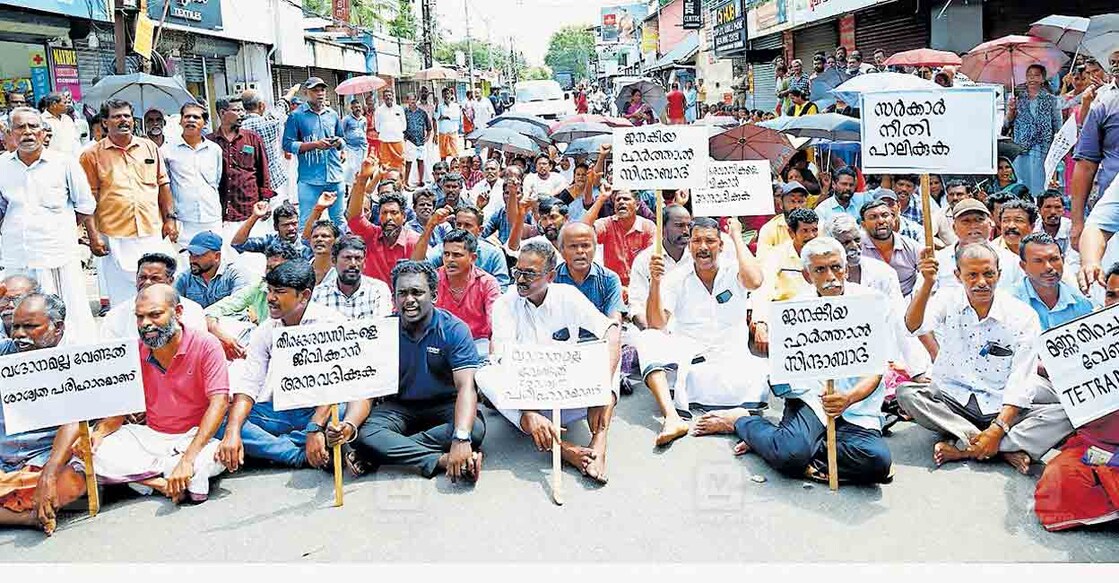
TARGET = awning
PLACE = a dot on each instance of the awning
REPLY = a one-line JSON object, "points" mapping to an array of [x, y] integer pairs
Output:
{"points": [[684, 51]]}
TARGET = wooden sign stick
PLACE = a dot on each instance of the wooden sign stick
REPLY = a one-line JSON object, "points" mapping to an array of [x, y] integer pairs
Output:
{"points": [[337, 460], [833, 457], [90, 474], [926, 213], [658, 241], [557, 472]]}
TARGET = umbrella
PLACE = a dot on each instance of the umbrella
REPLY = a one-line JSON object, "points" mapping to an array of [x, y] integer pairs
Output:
{"points": [[651, 93], [822, 85], [587, 146], [529, 130], [571, 132], [1005, 60], [828, 126], [614, 122], [752, 142], [436, 73], [1102, 37], [1009, 148], [717, 120], [1064, 31], [886, 81], [532, 119], [506, 140], [924, 58], [360, 84], [143, 91]]}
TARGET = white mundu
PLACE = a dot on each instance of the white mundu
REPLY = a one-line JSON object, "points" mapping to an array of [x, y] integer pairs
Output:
{"points": [[706, 341]]}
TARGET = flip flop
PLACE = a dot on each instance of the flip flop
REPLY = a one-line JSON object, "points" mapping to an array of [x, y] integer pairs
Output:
{"points": [[353, 462]]}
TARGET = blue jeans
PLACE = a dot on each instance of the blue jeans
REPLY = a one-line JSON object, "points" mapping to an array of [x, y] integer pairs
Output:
{"points": [[801, 439], [1029, 168], [276, 436], [309, 195]]}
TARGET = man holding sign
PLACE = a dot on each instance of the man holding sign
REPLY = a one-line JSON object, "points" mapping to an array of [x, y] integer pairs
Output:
{"points": [[36, 473]]}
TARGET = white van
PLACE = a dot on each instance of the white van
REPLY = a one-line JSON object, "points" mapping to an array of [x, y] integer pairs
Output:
{"points": [[543, 98]]}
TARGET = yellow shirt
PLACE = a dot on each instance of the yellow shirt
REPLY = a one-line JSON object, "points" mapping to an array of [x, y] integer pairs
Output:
{"points": [[773, 234], [125, 182]]}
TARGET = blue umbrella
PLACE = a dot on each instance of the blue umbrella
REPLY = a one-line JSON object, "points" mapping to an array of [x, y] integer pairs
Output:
{"points": [[588, 145], [827, 126], [525, 128], [143, 91], [824, 83], [506, 140], [870, 82]]}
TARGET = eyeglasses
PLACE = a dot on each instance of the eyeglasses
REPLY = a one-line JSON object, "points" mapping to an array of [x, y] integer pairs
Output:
{"points": [[528, 276]]}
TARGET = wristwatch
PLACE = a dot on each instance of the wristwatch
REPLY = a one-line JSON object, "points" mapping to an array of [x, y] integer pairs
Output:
{"points": [[462, 435], [1001, 425], [313, 427]]}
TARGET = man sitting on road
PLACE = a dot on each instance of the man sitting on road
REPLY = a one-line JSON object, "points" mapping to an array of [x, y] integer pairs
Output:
{"points": [[348, 292], [210, 278], [489, 257], [285, 220], [464, 289], [971, 222], [1055, 301]]}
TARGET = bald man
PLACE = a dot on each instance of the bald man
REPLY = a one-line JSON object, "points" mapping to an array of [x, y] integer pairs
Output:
{"points": [[186, 391], [578, 242]]}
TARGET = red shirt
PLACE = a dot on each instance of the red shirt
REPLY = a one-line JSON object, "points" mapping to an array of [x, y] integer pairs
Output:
{"points": [[380, 257], [580, 102], [676, 102], [244, 174], [177, 398], [475, 305], [619, 247]]}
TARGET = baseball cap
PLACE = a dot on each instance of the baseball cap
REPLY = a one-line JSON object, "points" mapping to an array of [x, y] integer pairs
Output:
{"points": [[793, 186], [884, 193], [204, 242], [969, 205], [313, 82]]}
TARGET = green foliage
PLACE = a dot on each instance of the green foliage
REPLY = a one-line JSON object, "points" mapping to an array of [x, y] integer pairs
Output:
{"points": [[535, 73], [445, 53], [405, 24], [569, 50]]}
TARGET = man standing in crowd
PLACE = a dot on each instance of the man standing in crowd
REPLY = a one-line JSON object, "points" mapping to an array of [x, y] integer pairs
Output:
{"points": [[392, 123], [64, 130], [194, 165], [154, 124], [448, 118], [417, 133], [244, 178], [313, 132], [676, 104], [270, 129], [135, 209], [355, 141]]}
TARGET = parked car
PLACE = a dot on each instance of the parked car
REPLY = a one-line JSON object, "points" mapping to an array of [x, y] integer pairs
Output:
{"points": [[543, 98]]}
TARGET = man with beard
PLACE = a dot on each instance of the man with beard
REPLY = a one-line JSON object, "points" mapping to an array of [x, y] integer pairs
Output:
{"points": [[1055, 301], [900, 225], [981, 394], [37, 473], [348, 292], [186, 394], [1052, 220], [195, 167], [883, 243], [1016, 220], [134, 215], [776, 232], [843, 199], [600, 285], [433, 422], [466, 290], [622, 235], [245, 180], [452, 199], [313, 132], [285, 223], [550, 214], [154, 123], [797, 446], [293, 438], [698, 329], [971, 223], [488, 258], [151, 269], [232, 319], [537, 311], [43, 195], [487, 192], [210, 278], [909, 206], [388, 242], [423, 205], [12, 288]]}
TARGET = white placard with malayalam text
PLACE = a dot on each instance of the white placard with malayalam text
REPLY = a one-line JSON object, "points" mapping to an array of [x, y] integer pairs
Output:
{"points": [[660, 156], [828, 338], [930, 131], [564, 376], [324, 364], [1081, 358], [735, 189], [55, 386]]}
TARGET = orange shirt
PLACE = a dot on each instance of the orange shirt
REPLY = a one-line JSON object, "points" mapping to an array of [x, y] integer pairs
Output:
{"points": [[126, 182]]}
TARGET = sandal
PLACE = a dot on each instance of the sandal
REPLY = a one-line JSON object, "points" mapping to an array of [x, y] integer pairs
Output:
{"points": [[353, 462]]}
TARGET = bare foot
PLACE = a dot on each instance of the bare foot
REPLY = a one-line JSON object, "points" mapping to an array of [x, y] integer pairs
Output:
{"points": [[718, 422], [946, 451], [741, 448], [160, 485], [672, 430], [576, 456], [1018, 460], [597, 467]]}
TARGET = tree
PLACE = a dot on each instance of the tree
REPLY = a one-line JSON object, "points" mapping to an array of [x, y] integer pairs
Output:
{"points": [[535, 73], [370, 13], [445, 53], [404, 25], [569, 49]]}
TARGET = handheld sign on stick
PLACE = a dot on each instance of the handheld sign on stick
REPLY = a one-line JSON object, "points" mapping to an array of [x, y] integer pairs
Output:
{"points": [[660, 157], [68, 384], [926, 212], [1082, 360], [331, 363], [735, 189]]}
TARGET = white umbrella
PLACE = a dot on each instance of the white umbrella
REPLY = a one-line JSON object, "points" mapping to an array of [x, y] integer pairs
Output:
{"points": [[849, 91], [1064, 31], [1102, 37], [143, 91]]}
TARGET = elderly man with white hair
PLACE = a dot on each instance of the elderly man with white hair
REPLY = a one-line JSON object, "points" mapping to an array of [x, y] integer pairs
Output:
{"points": [[797, 446]]}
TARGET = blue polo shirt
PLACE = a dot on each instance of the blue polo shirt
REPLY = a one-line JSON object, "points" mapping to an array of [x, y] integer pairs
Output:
{"points": [[602, 287], [1071, 304], [427, 365], [490, 260]]}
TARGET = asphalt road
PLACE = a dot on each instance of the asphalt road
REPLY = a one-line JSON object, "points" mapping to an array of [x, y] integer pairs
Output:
{"points": [[691, 502]]}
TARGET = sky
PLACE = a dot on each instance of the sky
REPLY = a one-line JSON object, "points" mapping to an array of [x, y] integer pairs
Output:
{"points": [[530, 22]]}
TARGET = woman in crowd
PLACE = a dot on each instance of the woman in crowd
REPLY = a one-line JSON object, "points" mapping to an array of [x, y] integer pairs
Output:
{"points": [[1035, 117], [637, 111]]}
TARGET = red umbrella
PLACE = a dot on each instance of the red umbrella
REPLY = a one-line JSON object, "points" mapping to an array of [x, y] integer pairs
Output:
{"points": [[923, 58], [614, 122], [361, 84], [1005, 60], [752, 142]]}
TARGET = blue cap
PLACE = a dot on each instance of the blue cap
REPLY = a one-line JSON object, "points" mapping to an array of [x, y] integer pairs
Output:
{"points": [[204, 242], [793, 186], [884, 193]]}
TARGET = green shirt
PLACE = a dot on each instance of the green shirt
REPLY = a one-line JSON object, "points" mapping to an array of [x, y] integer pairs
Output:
{"points": [[254, 297]]}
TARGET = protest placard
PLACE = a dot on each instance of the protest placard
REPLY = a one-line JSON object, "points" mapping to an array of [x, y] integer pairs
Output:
{"points": [[1081, 358], [735, 189], [1062, 143], [660, 156], [65, 384], [828, 338], [555, 376], [321, 364], [930, 130]]}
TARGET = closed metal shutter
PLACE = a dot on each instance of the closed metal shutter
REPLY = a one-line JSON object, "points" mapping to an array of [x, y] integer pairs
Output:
{"points": [[286, 77], [894, 27], [1003, 17], [821, 37], [93, 64], [764, 96], [772, 41], [329, 76], [192, 68]]}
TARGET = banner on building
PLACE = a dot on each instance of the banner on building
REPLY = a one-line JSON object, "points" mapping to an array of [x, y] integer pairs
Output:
{"points": [[729, 32], [193, 13], [342, 10], [621, 23], [144, 37], [692, 16], [64, 70]]}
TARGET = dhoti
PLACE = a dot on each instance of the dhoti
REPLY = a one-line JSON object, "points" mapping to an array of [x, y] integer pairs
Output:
{"points": [[137, 452], [726, 375]]}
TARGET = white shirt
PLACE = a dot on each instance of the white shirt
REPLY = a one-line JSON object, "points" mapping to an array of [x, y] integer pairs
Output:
{"points": [[195, 173], [254, 373], [1009, 268], [557, 320], [537, 187], [64, 134], [496, 193], [389, 121], [38, 203], [965, 364], [120, 322], [639, 276], [711, 319], [483, 112]]}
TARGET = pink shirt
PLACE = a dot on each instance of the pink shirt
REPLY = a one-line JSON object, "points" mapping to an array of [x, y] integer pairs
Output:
{"points": [[177, 398], [379, 257], [475, 305], [620, 247]]}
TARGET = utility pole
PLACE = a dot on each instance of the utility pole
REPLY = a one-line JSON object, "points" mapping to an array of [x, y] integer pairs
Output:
{"points": [[120, 39], [427, 9], [469, 48]]}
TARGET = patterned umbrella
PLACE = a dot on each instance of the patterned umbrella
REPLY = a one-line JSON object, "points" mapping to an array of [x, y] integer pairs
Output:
{"points": [[1005, 60], [752, 142]]}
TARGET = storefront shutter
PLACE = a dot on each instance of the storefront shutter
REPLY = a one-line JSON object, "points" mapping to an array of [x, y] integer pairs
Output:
{"points": [[821, 37], [893, 27]]}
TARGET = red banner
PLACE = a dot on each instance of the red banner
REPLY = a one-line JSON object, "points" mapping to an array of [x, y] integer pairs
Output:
{"points": [[342, 10]]}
